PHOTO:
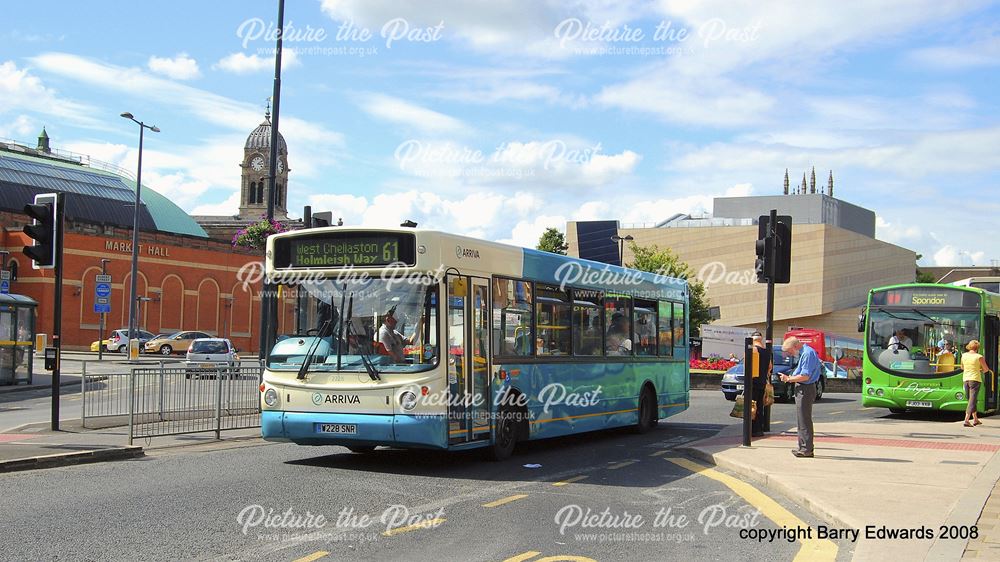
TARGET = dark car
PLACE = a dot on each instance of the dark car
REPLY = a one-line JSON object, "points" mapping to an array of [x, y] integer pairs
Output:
{"points": [[732, 381]]}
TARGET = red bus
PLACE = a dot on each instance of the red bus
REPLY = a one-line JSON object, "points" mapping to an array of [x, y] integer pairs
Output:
{"points": [[824, 343]]}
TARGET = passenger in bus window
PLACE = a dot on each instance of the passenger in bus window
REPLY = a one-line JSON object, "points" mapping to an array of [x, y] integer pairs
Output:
{"points": [[393, 340], [617, 342]]}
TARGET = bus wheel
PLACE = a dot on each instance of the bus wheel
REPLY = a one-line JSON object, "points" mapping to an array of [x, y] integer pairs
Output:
{"points": [[505, 437], [647, 411], [361, 449], [897, 410]]}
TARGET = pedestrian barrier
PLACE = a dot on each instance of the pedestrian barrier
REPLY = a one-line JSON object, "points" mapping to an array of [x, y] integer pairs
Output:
{"points": [[173, 399]]}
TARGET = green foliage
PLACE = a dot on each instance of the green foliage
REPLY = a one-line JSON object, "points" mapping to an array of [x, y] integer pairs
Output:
{"points": [[552, 241], [664, 262], [923, 276]]}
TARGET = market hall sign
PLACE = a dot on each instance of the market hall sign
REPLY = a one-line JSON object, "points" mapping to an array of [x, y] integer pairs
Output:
{"points": [[126, 248], [925, 298], [344, 250]]}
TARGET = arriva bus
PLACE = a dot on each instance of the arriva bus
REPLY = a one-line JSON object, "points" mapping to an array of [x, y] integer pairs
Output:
{"points": [[414, 338], [914, 339]]}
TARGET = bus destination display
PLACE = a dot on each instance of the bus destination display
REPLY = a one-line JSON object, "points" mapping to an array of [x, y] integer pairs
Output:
{"points": [[345, 250], [924, 298]]}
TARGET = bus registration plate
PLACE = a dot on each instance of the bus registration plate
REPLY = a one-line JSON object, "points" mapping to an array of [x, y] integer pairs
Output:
{"points": [[343, 428], [918, 404]]}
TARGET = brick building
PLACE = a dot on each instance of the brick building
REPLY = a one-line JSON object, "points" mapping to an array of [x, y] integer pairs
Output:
{"points": [[187, 279]]}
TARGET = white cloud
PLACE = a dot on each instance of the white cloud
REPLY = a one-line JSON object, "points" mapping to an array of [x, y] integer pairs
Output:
{"points": [[241, 63], [22, 91], [18, 129], [977, 54], [950, 255], [395, 110], [181, 67], [229, 207]]}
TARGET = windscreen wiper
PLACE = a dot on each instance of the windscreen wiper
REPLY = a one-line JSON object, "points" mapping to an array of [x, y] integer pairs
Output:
{"points": [[324, 330], [365, 360]]}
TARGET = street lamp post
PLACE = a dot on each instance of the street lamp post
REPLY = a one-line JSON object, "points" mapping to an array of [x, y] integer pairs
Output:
{"points": [[621, 247], [133, 298]]}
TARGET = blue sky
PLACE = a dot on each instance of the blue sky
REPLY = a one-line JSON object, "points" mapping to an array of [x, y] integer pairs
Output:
{"points": [[500, 118]]}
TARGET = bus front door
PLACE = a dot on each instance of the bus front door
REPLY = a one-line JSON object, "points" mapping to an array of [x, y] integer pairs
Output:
{"points": [[468, 359], [990, 353]]}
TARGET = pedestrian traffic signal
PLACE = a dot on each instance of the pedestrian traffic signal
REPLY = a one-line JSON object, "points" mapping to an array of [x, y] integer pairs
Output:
{"points": [[42, 230]]}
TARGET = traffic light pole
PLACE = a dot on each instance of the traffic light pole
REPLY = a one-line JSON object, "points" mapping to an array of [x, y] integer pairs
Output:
{"points": [[772, 239], [57, 312]]}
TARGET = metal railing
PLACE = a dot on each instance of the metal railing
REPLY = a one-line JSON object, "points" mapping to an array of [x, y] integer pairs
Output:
{"points": [[172, 399]]}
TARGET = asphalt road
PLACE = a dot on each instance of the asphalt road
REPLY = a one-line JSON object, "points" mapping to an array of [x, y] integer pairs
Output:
{"points": [[228, 503]]}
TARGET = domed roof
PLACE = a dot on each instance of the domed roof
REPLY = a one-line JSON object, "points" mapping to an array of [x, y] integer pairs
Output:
{"points": [[260, 138]]}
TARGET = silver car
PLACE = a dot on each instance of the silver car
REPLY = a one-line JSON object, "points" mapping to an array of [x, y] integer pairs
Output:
{"points": [[207, 356]]}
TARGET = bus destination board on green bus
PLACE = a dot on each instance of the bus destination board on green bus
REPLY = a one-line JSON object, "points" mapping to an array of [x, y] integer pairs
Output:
{"points": [[920, 296]]}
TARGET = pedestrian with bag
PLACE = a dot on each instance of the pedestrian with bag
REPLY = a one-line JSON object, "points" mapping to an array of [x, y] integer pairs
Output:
{"points": [[805, 376], [759, 385]]}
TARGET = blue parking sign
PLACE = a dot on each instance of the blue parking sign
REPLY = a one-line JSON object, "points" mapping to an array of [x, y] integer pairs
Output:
{"points": [[4, 286]]}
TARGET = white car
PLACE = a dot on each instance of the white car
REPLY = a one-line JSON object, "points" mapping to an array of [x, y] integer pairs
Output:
{"points": [[206, 356]]}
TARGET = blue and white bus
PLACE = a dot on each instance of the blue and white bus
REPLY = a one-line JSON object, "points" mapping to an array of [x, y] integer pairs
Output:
{"points": [[487, 344]]}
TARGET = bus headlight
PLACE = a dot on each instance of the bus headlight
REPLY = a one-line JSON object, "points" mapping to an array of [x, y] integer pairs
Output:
{"points": [[408, 400], [880, 392], [270, 397], [959, 396], [871, 391]]}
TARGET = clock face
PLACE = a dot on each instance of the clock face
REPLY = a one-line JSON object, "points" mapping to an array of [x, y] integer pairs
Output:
{"points": [[281, 166], [257, 164]]}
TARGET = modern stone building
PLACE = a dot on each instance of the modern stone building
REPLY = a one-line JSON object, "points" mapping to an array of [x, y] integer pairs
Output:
{"points": [[836, 258]]}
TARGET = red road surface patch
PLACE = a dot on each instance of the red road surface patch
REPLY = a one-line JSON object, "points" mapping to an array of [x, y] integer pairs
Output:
{"points": [[7, 437], [868, 441]]}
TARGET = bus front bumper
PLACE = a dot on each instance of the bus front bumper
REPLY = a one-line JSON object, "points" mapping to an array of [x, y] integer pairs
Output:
{"points": [[304, 428]]}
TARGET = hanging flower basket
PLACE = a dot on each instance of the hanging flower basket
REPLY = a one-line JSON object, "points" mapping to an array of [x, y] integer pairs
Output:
{"points": [[255, 235]]}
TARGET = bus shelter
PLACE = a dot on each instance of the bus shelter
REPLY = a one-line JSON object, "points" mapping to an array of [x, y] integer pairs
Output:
{"points": [[17, 335]]}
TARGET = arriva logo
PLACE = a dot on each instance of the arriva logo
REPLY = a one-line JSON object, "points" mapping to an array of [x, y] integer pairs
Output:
{"points": [[317, 399], [461, 252]]}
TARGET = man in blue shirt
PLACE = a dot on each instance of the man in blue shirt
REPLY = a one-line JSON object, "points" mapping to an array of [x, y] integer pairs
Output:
{"points": [[806, 373]]}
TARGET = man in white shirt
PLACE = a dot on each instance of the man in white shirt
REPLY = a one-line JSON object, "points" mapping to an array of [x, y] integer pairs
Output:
{"points": [[899, 342], [393, 340]]}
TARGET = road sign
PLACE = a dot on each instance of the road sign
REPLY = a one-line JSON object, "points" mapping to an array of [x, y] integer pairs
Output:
{"points": [[4, 275], [103, 279], [4, 286], [103, 289]]}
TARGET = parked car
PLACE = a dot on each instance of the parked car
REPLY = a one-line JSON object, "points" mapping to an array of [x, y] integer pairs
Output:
{"points": [[94, 346], [206, 356], [177, 342], [118, 340], [732, 381]]}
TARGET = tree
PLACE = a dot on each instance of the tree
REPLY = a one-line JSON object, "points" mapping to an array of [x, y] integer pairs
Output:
{"points": [[552, 241], [665, 262], [923, 276]]}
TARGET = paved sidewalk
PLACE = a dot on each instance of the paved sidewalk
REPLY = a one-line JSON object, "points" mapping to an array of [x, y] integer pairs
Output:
{"points": [[888, 472], [35, 446], [987, 545]]}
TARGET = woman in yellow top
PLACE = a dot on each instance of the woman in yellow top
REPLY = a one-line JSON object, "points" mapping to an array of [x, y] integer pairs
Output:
{"points": [[973, 367]]}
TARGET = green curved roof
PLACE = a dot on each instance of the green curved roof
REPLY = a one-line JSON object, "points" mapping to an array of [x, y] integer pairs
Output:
{"points": [[167, 216]]}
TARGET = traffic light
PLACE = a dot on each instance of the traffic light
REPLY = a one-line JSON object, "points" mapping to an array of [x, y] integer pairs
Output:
{"points": [[774, 255], [42, 230], [760, 266], [782, 265]]}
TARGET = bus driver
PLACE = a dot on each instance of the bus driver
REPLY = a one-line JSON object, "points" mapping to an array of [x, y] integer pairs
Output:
{"points": [[393, 340]]}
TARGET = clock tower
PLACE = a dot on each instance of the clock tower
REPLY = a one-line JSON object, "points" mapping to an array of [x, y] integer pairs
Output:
{"points": [[255, 182]]}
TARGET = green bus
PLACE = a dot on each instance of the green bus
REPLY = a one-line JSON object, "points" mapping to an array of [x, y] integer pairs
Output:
{"points": [[915, 335]]}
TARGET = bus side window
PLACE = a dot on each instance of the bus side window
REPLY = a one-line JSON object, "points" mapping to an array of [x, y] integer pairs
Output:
{"points": [[587, 324], [666, 329], [512, 317], [644, 323]]}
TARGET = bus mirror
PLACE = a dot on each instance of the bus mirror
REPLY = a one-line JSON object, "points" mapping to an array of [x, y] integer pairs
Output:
{"points": [[838, 353], [861, 321]]}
